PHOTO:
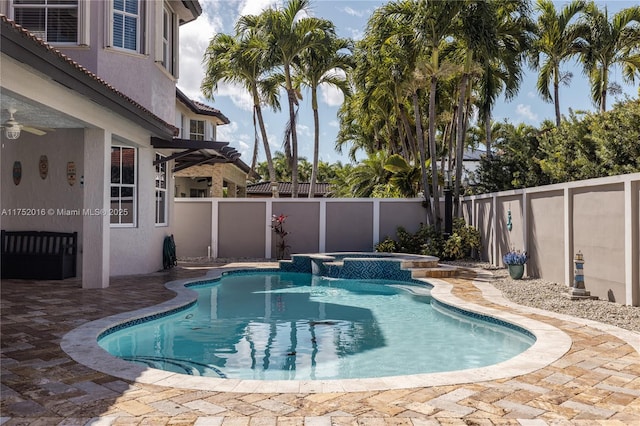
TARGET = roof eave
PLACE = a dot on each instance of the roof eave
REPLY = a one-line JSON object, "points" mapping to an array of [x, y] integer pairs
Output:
{"points": [[194, 7], [189, 103]]}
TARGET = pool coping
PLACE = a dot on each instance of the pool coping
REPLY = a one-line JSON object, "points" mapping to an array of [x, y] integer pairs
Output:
{"points": [[550, 345]]}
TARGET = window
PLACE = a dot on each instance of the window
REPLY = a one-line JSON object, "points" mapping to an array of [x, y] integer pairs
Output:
{"points": [[54, 21], [126, 24], [196, 130], [167, 38], [123, 186], [161, 190]]}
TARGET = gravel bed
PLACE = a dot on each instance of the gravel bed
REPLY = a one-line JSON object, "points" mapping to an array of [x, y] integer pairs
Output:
{"points": [[551, 296]]}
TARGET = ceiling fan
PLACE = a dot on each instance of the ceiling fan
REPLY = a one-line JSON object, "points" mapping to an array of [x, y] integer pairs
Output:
{"points": [[12, 128]]}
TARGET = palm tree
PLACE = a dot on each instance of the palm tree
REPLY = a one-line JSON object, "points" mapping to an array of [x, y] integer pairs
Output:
{"points": [[429, 23], [504, 69], [432, 22], [369, 175], [405, 177], [609, 43], [322, 65], [237, 60], [288, 33], [556, 41]]}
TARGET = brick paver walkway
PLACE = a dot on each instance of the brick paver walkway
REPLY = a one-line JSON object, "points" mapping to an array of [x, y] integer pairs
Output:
{"points": [[596, 382]]}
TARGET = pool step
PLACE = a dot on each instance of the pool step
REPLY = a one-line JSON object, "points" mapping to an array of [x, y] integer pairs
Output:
{"points": [[441, 271], [431, 262]]}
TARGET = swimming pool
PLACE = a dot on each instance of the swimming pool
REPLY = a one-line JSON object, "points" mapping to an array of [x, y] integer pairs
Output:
{"points": [[298, 326]]}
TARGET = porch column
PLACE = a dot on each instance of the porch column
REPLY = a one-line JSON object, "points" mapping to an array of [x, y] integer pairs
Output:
{"points": [[231, 190], [217, 183], [95, 224]]}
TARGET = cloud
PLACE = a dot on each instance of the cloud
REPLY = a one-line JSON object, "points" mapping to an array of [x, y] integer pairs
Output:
{"points": [[353, 12], [525, 112], [356, 33], [238, 95], [254, 7], [242, 142], [303, 130], [334, 123], [331, 95], [194, 39]]}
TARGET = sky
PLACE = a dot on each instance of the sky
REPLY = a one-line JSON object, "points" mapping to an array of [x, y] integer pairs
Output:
{"points": [[350, 18]]}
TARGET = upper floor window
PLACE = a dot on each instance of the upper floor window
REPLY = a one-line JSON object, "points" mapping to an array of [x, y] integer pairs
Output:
{"points": [[54, 21], [126, 24], [168, 19], [196, 131]]}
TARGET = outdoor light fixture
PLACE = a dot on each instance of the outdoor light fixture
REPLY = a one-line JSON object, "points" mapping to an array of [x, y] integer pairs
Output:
{"points": [[12, 132]]}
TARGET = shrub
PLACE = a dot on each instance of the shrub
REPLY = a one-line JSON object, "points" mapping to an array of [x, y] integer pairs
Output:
{"points": [[428, 241], [386, 246]]}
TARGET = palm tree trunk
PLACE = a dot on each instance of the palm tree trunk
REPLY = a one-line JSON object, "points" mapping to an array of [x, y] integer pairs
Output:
{"points": [[460, 133], [556, 99], [407, 126], [316, 142], [454, 120], [294, 134], [267, 153], [603, 89], [432, 148], [423, 158], [487, 131], [254, 157]]}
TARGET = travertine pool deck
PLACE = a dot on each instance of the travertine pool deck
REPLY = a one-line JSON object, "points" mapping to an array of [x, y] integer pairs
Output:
{"points": [[594, 380]]}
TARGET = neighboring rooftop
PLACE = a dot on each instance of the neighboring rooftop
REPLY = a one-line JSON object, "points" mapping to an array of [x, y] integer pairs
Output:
{"points": [[263, 189], [200, 108]]}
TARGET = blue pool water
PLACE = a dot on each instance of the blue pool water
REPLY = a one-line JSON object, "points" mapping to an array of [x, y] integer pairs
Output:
{"points": [[293, 326]]}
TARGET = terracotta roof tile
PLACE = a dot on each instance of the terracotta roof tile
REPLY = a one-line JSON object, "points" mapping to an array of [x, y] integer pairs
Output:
{"points": [[284, 188]]}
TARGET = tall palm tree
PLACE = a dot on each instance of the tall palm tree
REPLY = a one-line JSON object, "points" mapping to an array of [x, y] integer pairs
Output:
{"points": [[384, 69], [503, 71], [476, 38], [557, 40], [432, 23], [323, 64], [288, 32], [609, 43], [238, 60]]}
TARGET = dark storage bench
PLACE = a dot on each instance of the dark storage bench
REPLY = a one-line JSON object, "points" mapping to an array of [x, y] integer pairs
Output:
{"points": [[39, 255]]}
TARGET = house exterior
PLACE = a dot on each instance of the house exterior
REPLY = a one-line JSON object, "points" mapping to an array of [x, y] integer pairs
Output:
{"points": [[97, 82], [217, 177]]}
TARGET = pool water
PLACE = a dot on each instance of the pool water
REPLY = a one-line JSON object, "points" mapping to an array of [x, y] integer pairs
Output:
{"points": [[293, 326]]}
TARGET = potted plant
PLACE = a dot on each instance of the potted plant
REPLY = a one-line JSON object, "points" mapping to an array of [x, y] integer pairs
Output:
{"points": [[515, 260], [277, 224]]}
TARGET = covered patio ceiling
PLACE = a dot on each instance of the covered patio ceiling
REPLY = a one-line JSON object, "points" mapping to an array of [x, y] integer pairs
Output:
{"points": [[33, 114]]}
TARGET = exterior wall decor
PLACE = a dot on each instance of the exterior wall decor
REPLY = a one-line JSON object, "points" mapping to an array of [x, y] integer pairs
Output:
{"points": [[43, 166], [71, 173], [17, 172]]}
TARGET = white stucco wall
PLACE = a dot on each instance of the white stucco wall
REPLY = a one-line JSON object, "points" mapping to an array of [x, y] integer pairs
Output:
{"points": [[138, 250]]}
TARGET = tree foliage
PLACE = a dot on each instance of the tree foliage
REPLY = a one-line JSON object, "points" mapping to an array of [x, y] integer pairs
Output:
{"points": [[586, 145]]}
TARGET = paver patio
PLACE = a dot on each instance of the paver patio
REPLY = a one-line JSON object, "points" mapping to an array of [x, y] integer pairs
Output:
{"points": [[596, 382]]}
